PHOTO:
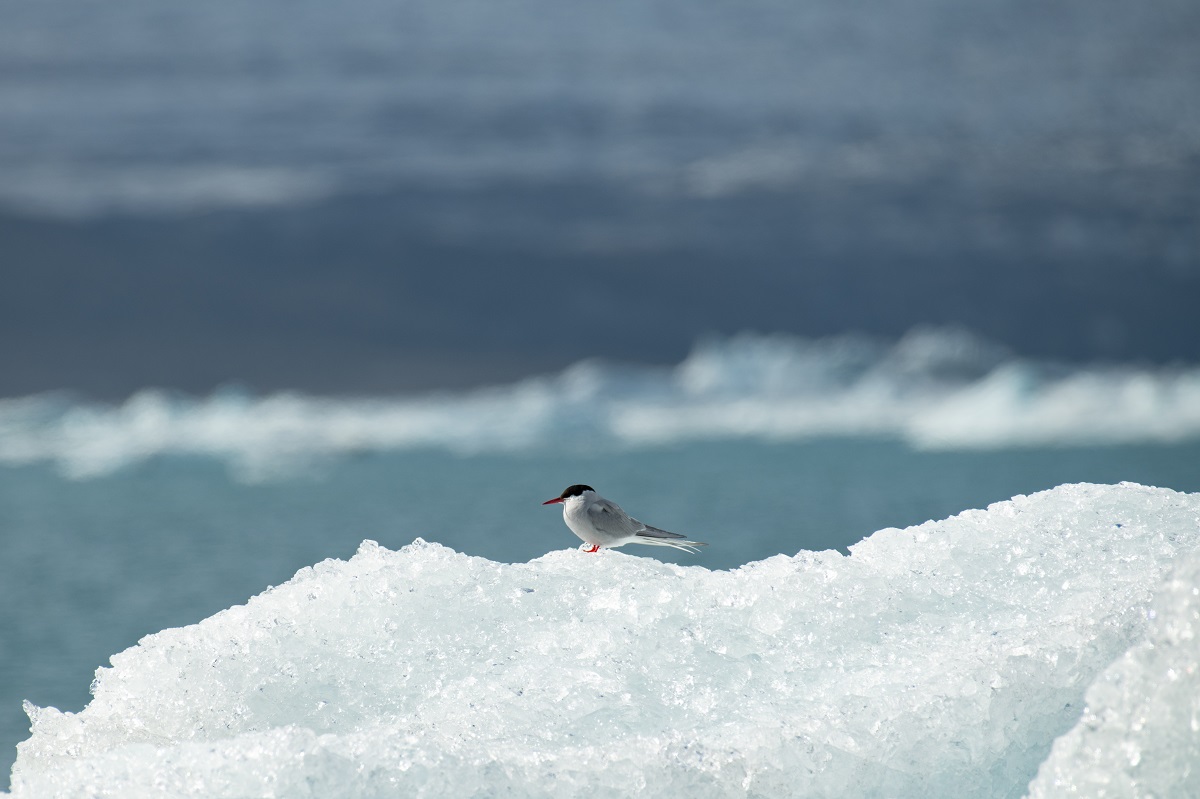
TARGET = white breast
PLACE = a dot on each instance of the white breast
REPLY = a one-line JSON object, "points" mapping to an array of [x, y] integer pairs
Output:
{"points": [[575, 515]]}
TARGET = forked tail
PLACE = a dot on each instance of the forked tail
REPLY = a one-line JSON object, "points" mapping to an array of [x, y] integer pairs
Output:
{"points": [[662, 538]]}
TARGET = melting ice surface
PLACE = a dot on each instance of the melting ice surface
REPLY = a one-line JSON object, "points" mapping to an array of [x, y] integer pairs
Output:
{"points": [[936, 389], [1050, 638]]}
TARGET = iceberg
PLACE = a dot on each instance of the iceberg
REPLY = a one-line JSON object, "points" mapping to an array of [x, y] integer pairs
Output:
{"points": [[1049, 639], [1140, 733]]}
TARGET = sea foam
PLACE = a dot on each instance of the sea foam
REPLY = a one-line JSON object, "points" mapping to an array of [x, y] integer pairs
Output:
{"points": [[936, 389], [955, 658]]}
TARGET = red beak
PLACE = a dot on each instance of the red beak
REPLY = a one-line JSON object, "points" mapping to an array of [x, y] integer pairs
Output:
{"points": [[553, 501]]}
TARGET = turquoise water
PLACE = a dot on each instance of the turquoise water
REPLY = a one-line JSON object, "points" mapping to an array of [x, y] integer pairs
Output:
{"points": [[93, 565]]}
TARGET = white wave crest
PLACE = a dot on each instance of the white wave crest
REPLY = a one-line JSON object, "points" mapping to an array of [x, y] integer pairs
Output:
{"points": [[88, 191], [936, 389]]}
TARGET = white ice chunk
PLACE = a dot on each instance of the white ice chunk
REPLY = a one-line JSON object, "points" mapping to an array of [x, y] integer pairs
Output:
{"points": [[1140, 732], [938, 661]]}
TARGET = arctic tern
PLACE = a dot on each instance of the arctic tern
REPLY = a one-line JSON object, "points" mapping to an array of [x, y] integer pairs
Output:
{"points": [[602, 523]]}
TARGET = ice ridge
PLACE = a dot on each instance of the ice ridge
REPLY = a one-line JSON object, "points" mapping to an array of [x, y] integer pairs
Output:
{"points": [[1050, 637]]}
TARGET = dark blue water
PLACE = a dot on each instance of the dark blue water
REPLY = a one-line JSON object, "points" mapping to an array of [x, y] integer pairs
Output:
{"points": [[377, 197], [131, 105]]}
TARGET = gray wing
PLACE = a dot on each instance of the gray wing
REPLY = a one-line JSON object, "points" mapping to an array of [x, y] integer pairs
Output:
{"points": [[608, 518], [653, 532]]}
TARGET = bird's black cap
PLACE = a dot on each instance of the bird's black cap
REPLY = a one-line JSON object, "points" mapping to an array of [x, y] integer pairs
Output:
{"points": [[574, 491]]}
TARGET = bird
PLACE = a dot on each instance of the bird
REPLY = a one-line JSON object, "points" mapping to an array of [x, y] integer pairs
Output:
{"points": [[601, 523]]}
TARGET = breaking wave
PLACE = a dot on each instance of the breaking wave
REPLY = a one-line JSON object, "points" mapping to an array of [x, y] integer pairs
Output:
{"points": [[935, 389]]}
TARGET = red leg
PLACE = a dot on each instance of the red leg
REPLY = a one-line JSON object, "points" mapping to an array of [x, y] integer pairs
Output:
{"points": [[595, 548]]}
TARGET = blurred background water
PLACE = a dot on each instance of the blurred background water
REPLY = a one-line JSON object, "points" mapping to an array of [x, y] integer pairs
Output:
{"points": [[404, 195], [787, 274]]}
